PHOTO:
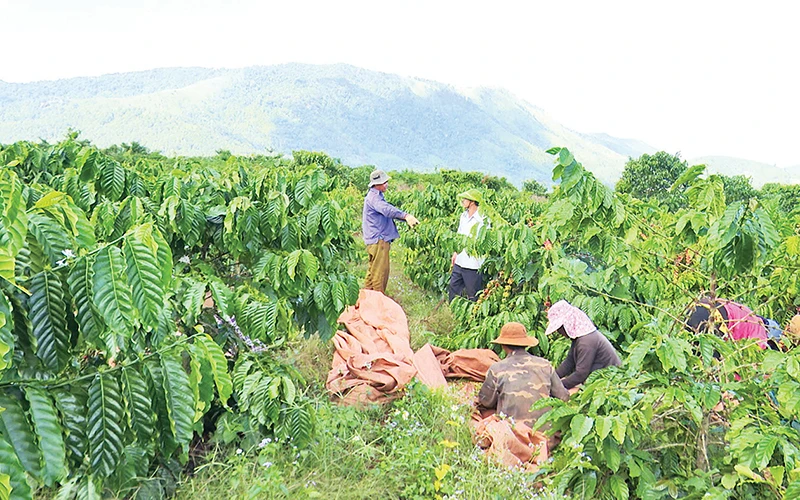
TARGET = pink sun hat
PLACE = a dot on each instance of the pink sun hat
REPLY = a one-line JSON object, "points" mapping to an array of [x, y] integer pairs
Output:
{"points": [[575, 322]]}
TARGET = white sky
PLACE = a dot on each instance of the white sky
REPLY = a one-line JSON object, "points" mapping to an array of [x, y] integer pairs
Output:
{"points": [[699, 77]]}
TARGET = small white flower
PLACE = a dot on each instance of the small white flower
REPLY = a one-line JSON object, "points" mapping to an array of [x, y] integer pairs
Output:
{"points": [[184, 259], [263, 442], [68, 253], [177, 333], [267, 465], [239, 451]]}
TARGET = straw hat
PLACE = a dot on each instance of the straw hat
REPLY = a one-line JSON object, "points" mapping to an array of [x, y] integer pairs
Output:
{"points": [[515, 334]]}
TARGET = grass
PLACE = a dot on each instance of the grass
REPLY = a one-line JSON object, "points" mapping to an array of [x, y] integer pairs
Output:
{"points": [[419, 446], [429, 315]]}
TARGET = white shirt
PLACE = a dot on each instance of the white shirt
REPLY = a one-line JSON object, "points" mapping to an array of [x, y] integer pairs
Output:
{"points": [[465, 225]]}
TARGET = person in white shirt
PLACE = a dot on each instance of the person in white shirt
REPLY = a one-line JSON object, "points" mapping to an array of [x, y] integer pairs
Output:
{"points": [[466, 274]]}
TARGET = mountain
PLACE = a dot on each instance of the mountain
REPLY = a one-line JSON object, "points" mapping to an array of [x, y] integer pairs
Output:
{"points": [[357, 115], [632, 148], [759, 173]]}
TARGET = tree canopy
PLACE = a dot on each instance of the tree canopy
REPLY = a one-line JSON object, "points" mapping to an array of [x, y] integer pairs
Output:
{"points": [[651, 176]]}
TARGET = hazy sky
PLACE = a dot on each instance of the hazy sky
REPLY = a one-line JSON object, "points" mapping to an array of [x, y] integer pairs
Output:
{"points": [[699, 77]]}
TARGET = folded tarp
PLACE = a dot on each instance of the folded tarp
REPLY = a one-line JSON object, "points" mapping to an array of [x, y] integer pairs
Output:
{"points": [[373, 357]]}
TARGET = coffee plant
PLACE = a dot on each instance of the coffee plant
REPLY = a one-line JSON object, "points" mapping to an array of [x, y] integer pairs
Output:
{"points": [[142, 298], [686, 416]]}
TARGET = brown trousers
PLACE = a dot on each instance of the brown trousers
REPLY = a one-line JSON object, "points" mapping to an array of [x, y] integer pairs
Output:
{"points": [[378, 272]]}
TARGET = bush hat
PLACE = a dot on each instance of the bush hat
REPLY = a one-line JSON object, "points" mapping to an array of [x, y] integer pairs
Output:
{"points": [[378, 177], [514, 333], [472, 195]]}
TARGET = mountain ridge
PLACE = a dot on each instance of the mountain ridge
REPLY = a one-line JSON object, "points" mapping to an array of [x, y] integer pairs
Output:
{"points": [[357, 115]]}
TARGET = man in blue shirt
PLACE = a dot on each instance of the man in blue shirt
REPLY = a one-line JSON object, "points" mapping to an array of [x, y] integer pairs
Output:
{"points": [[379, 230]]}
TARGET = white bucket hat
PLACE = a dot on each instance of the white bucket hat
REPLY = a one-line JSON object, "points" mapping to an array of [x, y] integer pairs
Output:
{"points": [[378, 177]]}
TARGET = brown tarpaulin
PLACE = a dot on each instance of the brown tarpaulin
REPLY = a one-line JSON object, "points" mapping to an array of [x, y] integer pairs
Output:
{"points": [[373, 358], [511, 444], [466, 363], [375, 352], [373, 361]]}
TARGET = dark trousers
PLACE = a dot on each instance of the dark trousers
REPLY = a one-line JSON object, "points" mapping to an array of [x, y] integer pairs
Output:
{"points": [[465, 279]]}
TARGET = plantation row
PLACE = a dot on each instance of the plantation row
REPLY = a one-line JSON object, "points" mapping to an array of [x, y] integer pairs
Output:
{"points": [[145, 303], [144, 298], [650, 429]]}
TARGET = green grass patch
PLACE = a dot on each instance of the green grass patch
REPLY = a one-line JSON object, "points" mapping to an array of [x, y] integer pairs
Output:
{"points": [[418, 447]]}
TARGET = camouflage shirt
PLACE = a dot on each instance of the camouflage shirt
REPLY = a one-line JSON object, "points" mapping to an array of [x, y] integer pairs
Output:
{"points": [[515, 383]]}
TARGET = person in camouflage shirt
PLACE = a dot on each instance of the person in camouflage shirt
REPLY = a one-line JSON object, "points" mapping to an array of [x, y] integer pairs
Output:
{"points": [[515, 383]]}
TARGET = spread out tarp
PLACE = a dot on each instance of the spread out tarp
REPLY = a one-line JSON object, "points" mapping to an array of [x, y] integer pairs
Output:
{"points": [[373, 361]]}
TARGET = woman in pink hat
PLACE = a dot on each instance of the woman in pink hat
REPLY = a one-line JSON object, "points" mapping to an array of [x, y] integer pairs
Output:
{"points": [[590, 349]]}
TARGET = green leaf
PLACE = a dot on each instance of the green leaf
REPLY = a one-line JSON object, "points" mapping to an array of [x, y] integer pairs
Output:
{"points": [[110, 291], [6, 333], [180, 406], [106, 418], [12, 468], [618, 428], [52, 237], [688, 176], [201, 381], [219, 366], [729, 481], [297, 424], [259, 320], [793, 490], [793, 245], [310, 265], [164, 254], [638, 350], [565, 158], [87, 490], [144, 275], [603, 426], [15, 427], [291, 263], [155, 375], [111, 182], [585, 485], [192, 300], [764, 450], [48, 317], [619, 487], [139, 407], [745, 471], [777, 472], [580, 427], [89, 319], [72, 404], [5, 486], [222, 295], [68, 490], [47, 428], [611, 454], [289, 391], [793, 367]]}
